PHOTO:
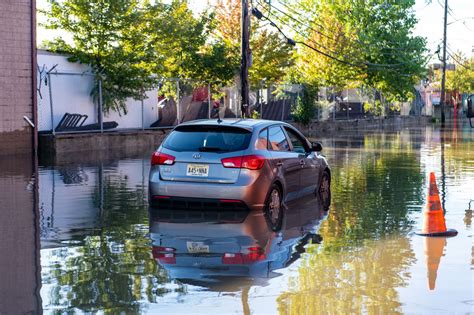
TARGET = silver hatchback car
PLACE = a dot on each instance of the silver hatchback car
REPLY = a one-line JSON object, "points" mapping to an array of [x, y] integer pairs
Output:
{"points": [[237, 164]]}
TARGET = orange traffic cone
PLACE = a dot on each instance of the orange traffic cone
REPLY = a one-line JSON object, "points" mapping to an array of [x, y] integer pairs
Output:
{"points": [[434, 248], [434, 223]]}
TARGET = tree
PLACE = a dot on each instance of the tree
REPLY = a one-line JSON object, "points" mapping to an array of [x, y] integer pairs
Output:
{"points": [[462, 78], [365, 255], [271, 55], [129, 44], [356, 43], [303, 112], [106, 35], [180, 42]]}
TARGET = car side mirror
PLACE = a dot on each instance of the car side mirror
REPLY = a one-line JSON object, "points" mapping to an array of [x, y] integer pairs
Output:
{"points": [[316, 147]]}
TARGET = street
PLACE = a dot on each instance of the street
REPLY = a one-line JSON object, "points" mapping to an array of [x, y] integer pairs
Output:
{"points": [[97, 239]]}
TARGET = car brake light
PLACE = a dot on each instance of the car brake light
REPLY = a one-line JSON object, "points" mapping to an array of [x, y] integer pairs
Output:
{"points": [[163, 249], [251, 162], [166, 258], [255, 249], [232, 259], [241, 259], [254, 256], [165, 255], [159, 158]]}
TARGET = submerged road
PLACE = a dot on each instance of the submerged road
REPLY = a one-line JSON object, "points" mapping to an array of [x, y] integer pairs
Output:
{"points": [[79, 237]]}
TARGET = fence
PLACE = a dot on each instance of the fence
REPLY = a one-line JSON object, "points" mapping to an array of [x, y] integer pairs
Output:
{"points": [[65, 104]]}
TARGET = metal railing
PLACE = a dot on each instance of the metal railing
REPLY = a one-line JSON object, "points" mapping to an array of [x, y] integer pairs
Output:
{"points": [[68, 107]]}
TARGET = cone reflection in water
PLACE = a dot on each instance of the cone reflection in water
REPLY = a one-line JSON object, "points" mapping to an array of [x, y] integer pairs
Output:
{"points": [[434, 247]]}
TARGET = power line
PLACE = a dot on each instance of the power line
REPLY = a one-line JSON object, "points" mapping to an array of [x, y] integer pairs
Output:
{"points": [[299, 21], [299, 33], [292, 42], [451, 53], [461, 19], [451, 13], [365, 63], [323, 27], [306, 24], [465, 25]]}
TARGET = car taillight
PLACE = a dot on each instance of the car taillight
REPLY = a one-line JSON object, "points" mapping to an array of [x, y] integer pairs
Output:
{"points": [[166, 258], [165, 255], [159, 158], [254, 254], [251, 162], [163, 249], [232, 259], [241, 259]]}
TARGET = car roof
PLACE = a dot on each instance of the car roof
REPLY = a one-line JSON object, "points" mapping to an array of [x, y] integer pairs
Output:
{"points": [[249, 124]]}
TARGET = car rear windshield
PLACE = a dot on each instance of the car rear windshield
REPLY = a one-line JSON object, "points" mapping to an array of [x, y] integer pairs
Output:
{"points": [[208, 139]]}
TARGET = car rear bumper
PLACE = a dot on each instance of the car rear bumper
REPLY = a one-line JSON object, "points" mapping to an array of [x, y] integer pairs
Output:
{"points": [[250, 189], [201, 204]]}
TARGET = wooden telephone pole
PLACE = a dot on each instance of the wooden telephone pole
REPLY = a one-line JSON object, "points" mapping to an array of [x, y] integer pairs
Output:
{"points": [[443, 78], [244, 66]]}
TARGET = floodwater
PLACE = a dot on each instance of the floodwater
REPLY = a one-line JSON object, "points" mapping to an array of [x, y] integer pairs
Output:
{"points": [[78, 237]]}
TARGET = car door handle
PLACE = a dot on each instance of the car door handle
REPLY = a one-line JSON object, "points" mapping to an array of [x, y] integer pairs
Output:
{"points": [[302, 162], [279, 163]]}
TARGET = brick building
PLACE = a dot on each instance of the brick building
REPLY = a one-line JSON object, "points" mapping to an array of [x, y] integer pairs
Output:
{"points": [[20, 277], [17, 76]]}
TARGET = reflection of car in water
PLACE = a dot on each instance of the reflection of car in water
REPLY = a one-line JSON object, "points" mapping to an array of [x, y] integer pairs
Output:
{"points": [[217, 248]]}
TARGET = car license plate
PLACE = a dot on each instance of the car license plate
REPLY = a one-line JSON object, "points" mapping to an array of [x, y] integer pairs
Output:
{"points": [[201, 170], [197, 247]]}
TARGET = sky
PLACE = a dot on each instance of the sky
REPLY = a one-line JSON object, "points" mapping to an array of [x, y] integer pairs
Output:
{"points": [[460, 33], [430, 25]]}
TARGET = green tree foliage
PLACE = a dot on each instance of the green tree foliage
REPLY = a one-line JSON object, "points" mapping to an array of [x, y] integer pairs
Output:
{"points": [[107, 36], [360, 43], [303, 112], [462, 78], [395, 59], [180, 42], [271, 56], [110, 267], [128, 43], [365, 254]]}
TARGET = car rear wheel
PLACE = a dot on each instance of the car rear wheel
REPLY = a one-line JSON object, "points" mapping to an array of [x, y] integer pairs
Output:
{"points": [[274, 208], [324, 190]]}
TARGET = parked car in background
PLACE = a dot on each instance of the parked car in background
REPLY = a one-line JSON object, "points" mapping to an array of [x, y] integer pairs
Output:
{"points": [[237, 164]]}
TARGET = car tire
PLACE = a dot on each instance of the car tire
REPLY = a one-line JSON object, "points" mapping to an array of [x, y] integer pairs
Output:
{"points": [[324, 190], [273, 210]]}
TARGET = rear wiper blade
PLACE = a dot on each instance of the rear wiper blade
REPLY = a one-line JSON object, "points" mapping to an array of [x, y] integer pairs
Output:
{"points": [[211, 149]]}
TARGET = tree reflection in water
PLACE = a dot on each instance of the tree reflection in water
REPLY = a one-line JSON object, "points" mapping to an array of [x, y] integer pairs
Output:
{"points": [[109, 268], [365, 253], [337, 281]]}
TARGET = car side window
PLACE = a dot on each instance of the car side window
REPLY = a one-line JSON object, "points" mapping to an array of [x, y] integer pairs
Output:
{"points": [[262, 140], [277, 138], [296, 141]]}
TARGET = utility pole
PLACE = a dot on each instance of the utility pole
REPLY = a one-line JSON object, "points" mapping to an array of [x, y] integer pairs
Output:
{"points": [[244, 66], [443, 78]]}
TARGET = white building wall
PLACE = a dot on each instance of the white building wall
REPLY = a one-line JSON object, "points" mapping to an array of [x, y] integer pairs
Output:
{"points": [[71, 85], [66, 206]]}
